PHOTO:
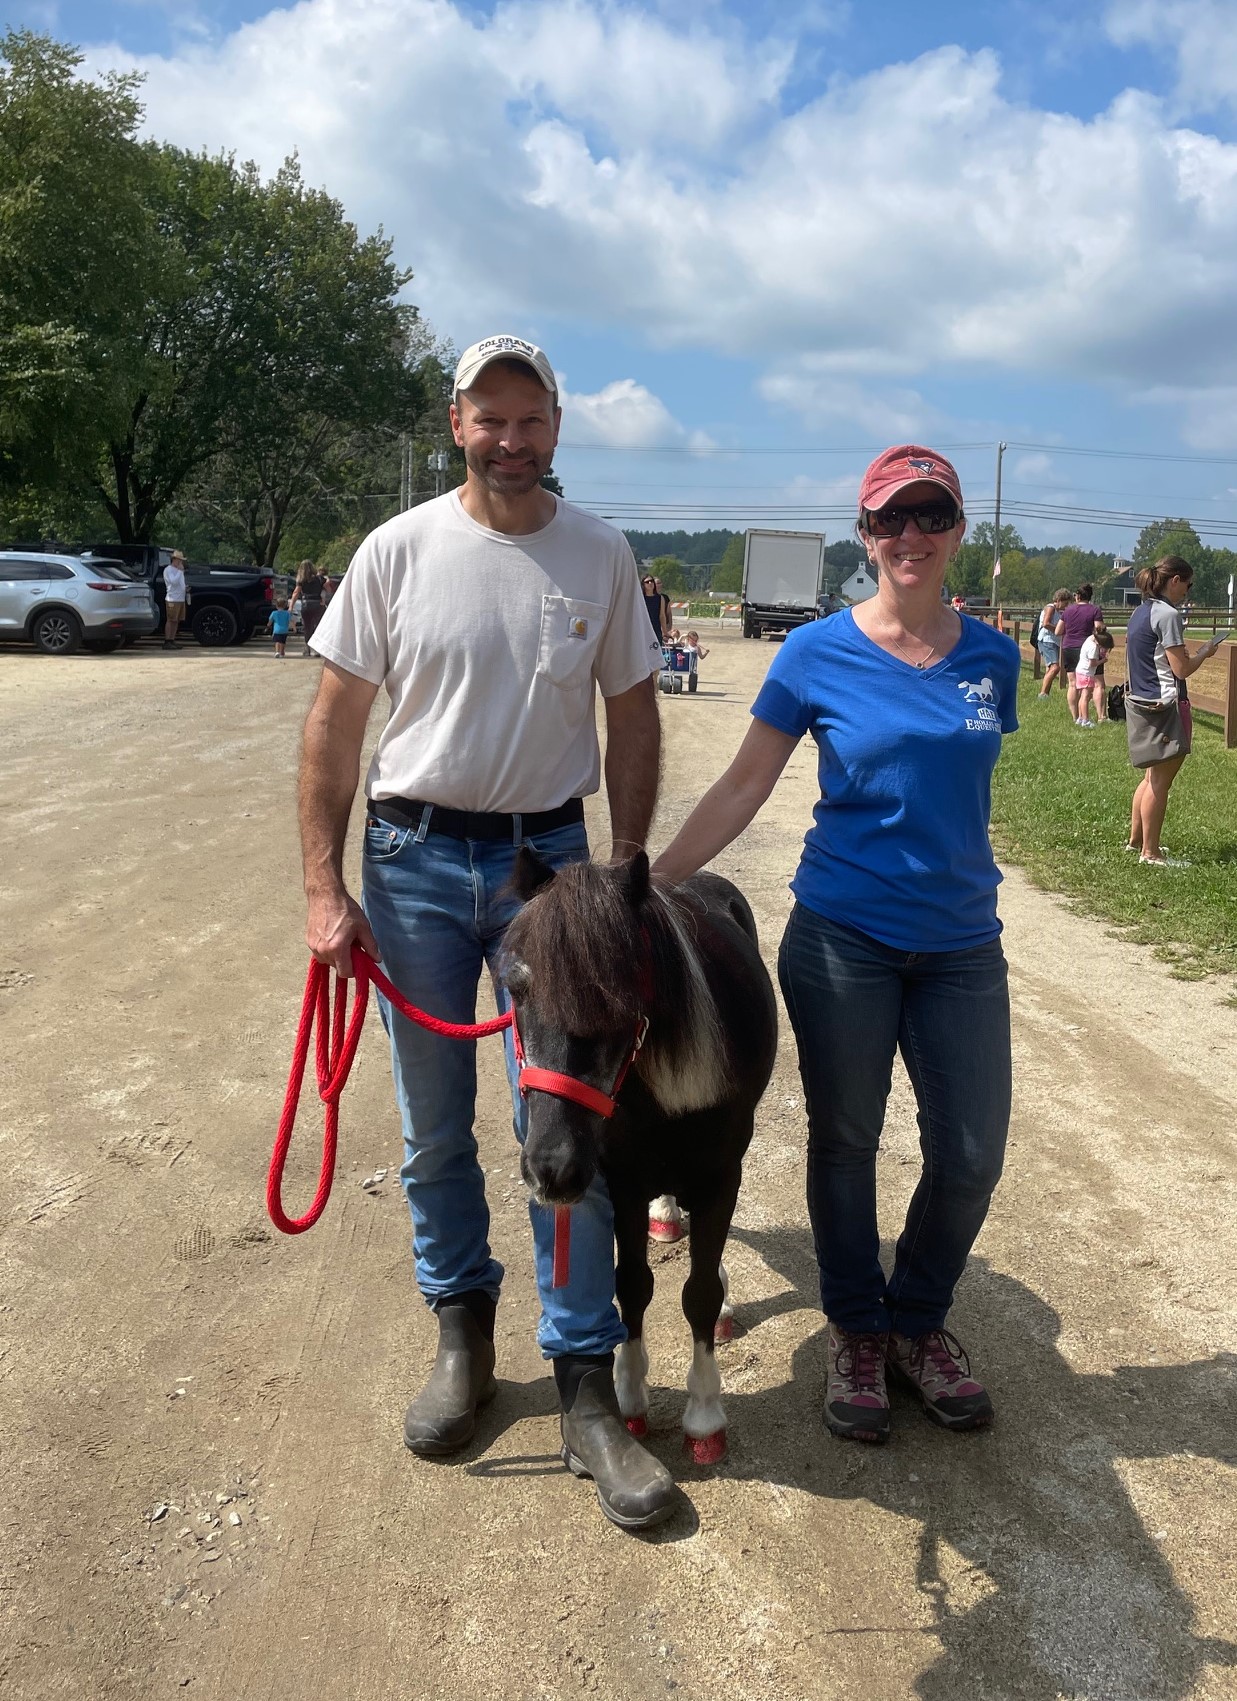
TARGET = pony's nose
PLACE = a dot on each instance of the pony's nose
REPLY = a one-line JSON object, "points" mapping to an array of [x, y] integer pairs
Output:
{"points": [[558, 1172]]}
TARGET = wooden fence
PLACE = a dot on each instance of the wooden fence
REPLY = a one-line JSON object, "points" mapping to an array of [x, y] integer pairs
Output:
{"points": [[1213, 688]]}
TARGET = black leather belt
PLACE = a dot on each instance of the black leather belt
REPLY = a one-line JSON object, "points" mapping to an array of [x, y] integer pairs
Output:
{"points": [[469, 824]]}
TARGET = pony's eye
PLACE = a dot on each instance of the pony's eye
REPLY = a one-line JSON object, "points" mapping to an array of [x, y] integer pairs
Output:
{"points": [[519, 981]]}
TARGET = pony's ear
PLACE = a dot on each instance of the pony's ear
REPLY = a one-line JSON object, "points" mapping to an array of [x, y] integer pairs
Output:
{"points": [[636, 879], [530, 873]]}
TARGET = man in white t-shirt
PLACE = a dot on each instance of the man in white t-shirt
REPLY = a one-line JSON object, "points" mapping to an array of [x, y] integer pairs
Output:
{"points": [[490, 616], [175, 598]]}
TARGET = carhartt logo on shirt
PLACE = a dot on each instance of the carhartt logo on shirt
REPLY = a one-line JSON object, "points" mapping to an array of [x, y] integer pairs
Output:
{"points": [[579, 627]]}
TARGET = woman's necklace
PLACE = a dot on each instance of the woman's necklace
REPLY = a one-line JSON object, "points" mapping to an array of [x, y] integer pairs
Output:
{"points": [[921, 663]]}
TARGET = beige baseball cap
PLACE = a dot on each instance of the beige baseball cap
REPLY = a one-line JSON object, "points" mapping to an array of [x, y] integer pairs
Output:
{"points": [[474, 360]]}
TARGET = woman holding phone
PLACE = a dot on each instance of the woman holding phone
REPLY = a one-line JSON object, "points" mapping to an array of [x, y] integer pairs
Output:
{"points": [[1158, 722]]}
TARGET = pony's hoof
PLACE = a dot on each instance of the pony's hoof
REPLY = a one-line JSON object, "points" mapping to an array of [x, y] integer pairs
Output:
{"points": [[705, 1449], [637, 1426], [723, 1329], [666, 1233]]}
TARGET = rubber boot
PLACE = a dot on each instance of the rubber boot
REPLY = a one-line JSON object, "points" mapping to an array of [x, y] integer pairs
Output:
{"points": [[635, 1490], [443, 1416]]}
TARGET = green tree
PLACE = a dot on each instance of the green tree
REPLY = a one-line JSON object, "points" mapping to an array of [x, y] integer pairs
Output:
{"points": [[75, 235], [1166, 537], [970, 571], [983, 534], [669, 570], [328, 355], [729, 575]]}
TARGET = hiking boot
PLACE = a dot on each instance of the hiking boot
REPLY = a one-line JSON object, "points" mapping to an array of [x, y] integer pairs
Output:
{"points": [[937, 1368], [443, 1416], [636, 1491], [856, 1404]]}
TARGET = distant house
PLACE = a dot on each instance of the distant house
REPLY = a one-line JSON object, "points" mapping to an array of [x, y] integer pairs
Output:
{"points": [[860, 585], [1121, 586]]}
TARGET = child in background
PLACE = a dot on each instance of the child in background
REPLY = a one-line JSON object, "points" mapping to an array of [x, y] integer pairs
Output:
{"points": [[1089, 674], [692, 646], [280, 620]]}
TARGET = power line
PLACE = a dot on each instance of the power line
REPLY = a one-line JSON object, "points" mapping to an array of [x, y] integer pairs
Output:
{"points": [[1129, 454]]}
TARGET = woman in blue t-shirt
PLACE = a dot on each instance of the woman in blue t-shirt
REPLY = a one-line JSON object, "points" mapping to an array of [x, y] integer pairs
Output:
{"points": [[1157, 704], [893, 943]]}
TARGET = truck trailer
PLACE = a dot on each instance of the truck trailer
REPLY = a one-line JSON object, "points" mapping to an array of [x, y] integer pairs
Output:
{"points": [[781, 580]]}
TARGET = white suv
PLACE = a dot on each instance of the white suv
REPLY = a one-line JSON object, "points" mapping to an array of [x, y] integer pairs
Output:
{"points": [[61, 602]]}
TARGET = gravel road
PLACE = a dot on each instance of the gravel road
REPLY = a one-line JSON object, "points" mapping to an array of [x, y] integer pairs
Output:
{"points": [[204, 1485]]}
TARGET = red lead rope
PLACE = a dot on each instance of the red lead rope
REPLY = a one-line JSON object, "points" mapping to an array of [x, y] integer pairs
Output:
{"points": [[334, 1050], [335, 1047]]}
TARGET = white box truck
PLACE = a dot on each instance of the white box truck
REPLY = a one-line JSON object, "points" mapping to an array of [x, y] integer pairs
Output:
{"points": [[781, 580]]}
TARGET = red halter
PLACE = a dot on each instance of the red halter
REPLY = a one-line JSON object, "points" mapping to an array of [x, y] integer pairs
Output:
{"points": [[566, 1086]]}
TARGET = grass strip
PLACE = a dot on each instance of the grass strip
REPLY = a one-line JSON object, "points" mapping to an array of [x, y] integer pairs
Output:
{"points": [[1061, 810]]}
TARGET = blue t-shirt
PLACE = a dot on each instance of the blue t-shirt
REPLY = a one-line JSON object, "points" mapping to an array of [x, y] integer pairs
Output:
{"points": [[281, 619], [898, 846]]}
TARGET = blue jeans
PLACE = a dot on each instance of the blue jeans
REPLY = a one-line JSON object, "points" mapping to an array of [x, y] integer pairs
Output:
{"points": [[853, 1002], [438, 908]]}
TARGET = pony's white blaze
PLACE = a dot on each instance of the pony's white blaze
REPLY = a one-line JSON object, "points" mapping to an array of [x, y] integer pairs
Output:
{"points": [[631, 1371], [697, 1075], [704, 1414]]}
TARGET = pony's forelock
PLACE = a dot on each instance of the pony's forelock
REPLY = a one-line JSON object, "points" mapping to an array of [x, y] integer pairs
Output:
{"points": [[600, 953]]}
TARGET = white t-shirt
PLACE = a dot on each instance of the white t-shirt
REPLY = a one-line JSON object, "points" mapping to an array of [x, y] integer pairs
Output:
{"points": [[1090, 656], [174, 584], [489, 647]]}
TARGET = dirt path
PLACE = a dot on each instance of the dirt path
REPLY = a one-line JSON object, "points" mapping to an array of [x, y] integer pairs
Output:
{"points": [[160, 1347]]}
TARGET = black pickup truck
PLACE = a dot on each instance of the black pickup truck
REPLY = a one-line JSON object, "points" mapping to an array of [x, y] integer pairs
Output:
{"points": [[227, 604]]}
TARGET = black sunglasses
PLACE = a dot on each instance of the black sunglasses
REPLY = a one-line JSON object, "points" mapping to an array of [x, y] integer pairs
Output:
{"points": [[928, 516]]}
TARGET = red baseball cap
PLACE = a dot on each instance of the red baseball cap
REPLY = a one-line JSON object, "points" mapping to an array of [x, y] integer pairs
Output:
{"points": [[908, 463]]}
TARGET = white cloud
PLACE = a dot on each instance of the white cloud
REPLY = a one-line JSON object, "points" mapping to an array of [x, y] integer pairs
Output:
{"points": [[1201, 35], [812, 389], [584, 161], [627, 414], [1206, 415]]}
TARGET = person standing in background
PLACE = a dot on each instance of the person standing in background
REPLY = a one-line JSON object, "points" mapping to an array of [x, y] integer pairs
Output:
{"points": [[176, 597], [1048, 639], [308, 593], [1157, 703], [1078, 620]]}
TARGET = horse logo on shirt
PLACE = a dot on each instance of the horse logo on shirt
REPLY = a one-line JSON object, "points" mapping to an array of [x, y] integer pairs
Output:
{"points": [[981, 693]]}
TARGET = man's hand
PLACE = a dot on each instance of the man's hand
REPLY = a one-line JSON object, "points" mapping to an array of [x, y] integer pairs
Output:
{"points": [[335, 920]]}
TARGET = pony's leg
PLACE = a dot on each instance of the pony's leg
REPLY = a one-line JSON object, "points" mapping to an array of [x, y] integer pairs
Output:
{"points": [[633, 1288], [665, 1219], [704, 1419], [723, 1329]]}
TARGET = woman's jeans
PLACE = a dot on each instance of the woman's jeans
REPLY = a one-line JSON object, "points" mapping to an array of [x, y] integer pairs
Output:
{"points": [[438, 908], [852, 1003]]}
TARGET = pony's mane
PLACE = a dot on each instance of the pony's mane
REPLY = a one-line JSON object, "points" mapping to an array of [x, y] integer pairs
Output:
{"points": [[599, 958]]}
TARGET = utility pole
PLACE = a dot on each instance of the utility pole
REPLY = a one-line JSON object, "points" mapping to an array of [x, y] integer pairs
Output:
{"points": [[996, 529], [404, 492], [437, 461]]}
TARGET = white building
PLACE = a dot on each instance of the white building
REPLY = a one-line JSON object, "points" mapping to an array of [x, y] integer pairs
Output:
{"points": [[860, 585]]}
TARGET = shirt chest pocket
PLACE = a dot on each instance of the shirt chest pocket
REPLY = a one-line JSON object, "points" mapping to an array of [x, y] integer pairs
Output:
{"points": [[570, 633]]}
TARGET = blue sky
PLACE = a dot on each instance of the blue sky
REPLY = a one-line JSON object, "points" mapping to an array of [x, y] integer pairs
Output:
{"points": [[759, 242]]}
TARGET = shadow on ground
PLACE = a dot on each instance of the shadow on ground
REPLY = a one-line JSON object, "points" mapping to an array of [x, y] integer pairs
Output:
{"points": [[1053, 1587]]}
